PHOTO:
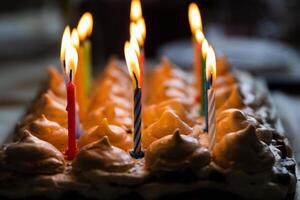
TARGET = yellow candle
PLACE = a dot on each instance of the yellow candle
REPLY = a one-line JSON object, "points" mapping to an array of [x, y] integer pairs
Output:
{"points": [[85, 28]]}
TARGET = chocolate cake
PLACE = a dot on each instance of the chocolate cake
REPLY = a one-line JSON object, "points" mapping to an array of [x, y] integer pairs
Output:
{"points": [[251, 158]]}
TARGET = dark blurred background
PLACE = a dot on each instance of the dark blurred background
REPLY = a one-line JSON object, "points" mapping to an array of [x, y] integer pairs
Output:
{"points": [[40, 23], [259, 36]]}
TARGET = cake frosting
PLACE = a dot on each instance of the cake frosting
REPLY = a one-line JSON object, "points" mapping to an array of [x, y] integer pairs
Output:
{"points": [[122, 102], [103, 156], [167, 69], [152, 113], [56, 82], [31, 155], [222, 94], [242, 150], [116, 135], [251, 157], [108, 86], [176, 152], [232, 120], [167, 83], [166, 125], [116, 71], [114, 114], [223, 66], [226, 80], [234, 100], [49, 131], [53, 109]]}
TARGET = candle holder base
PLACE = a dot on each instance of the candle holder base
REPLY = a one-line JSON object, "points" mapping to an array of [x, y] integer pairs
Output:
{"points": [[137, 154]]}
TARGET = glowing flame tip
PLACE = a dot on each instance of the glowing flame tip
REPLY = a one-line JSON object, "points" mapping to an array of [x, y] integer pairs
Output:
{"points": [[132, 62], [135, 10], [71, 59], [65, 42], [194, 17], [85, 25], [211, 64]]}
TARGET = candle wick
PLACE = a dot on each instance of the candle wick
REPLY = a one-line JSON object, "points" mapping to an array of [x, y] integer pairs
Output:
{"points": [[136, 81], [70, 75], [211, 79]]}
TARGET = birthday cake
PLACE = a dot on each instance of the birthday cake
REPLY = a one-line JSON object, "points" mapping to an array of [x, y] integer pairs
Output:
{"points": [[251, 157]]}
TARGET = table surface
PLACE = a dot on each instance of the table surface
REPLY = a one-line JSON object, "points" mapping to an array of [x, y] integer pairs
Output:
{"points": [[20, 81]]}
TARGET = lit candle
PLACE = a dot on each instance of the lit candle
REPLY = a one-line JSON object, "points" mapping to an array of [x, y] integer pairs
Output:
{"points": [[75, 42], [134, 71], [204, 49], [64, 43], [84, 77], [196, 29], [210, 115], [71, 58]]}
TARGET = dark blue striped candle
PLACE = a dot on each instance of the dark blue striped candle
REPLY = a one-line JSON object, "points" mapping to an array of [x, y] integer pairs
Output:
{"points": [[137, 149]]}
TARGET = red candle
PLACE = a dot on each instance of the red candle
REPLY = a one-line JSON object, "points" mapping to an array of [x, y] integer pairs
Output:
{"points": [[71, 152], [197, 69], [71, 66]]}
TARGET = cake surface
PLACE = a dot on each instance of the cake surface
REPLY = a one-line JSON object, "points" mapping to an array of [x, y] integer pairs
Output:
{"points": [[251, 158]]}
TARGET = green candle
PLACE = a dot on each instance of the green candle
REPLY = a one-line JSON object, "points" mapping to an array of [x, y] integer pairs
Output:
{"points": [[202, 108], [203, 54]]}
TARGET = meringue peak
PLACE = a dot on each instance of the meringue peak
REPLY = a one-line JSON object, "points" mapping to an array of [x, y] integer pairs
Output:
{"points": [[177, 137], [166, 125], [105, 141], [243, 150], [177, 151], [117, 136]]}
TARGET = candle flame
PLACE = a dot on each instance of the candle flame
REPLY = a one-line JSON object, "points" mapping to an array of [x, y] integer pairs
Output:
{"points": [[132, 63], [135, 45], [136, 32], [211, 64], [71, 59], [135, 10], [199, 36], [205, 48], [85, 26], [142, 27], [65, 42], [75, 38], [194, 18]]}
